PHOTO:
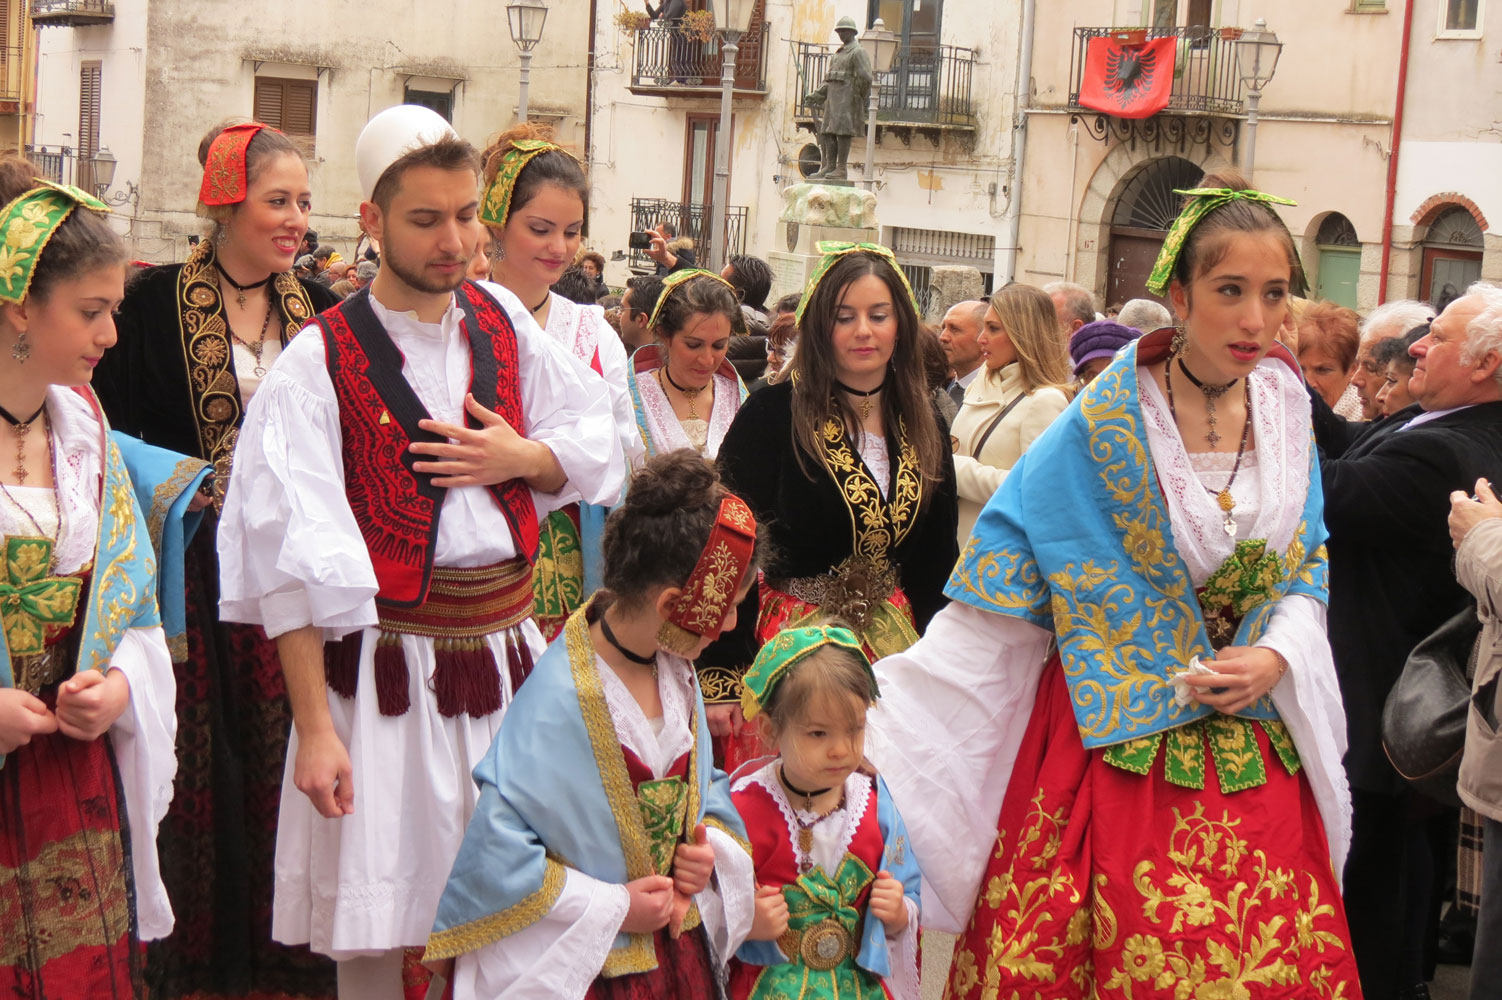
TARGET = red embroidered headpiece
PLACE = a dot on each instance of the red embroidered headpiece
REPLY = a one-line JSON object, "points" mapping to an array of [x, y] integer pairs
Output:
{"points": [[224, 174], [710, 591]]}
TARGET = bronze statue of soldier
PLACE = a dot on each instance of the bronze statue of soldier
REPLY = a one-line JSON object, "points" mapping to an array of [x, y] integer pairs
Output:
{"points": [[843, 95]]}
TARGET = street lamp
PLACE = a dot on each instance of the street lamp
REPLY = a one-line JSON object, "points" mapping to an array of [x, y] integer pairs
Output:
{"points": [[732, 19], [1257, 54], [103, 162], [525, 18], [881, 46]]}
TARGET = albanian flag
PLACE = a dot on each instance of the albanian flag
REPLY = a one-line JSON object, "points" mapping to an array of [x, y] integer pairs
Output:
{"points": [[1125, 80]]}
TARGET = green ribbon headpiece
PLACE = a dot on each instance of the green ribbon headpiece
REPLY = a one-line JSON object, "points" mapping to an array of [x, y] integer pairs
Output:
{"points": [[833, 251], [1202, 201], [683, 277], [496, 204], [786, 648], [26, 224]]}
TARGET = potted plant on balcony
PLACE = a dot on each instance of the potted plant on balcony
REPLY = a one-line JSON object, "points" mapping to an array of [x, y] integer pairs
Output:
{"points": [[698, 25], [631, 21], [1230, 34]]}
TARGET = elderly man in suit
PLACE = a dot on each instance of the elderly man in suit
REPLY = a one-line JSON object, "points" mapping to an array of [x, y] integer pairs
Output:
{"points": [[1391, 585]]}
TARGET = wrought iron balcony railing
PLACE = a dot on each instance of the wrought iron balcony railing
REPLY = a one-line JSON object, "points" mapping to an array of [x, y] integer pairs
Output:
{"points": [[1205, 80], [688, 219], [928, 86], [71, 13], [55, 162], [666, 61]]}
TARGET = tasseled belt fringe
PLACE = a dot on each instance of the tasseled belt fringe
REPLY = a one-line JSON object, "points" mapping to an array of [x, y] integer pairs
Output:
{"points": [[463, 607]]}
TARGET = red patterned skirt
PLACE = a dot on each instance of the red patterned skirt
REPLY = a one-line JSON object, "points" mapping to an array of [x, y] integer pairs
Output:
{"points": [[1185, 893], [67, 920]]}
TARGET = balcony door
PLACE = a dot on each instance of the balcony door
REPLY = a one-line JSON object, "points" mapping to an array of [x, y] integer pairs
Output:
{"points": [[701, 134], [914, 80]]}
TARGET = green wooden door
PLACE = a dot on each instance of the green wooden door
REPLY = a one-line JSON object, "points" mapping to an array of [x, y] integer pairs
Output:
{"points": [[1339, 270]]}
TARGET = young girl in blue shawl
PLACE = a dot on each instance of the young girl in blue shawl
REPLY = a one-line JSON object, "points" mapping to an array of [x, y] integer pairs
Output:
{"points": [[605, 859]]}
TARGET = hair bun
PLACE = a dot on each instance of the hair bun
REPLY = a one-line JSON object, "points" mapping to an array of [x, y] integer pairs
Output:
{"points": [[17, 176], [1229, 179], [678, 480]]}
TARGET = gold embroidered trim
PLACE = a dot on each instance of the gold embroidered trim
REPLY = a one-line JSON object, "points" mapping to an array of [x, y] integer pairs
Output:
{"points": [[113, 595], [720, 685], [78, 893], [204, 333], [877, 525], [478, 933], [177, 648], [640, 954], [166, 494]]}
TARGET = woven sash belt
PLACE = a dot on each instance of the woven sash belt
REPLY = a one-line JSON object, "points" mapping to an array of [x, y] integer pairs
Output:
{"points": [[464, 606]]}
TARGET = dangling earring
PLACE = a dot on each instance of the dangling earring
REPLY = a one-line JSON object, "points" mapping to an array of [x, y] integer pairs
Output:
{"points": [[499, 254], [221, 236], [22, 351], [1179, 346]]}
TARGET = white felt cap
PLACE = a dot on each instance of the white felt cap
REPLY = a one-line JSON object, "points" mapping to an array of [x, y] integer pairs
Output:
{"points": [[391, 135]]}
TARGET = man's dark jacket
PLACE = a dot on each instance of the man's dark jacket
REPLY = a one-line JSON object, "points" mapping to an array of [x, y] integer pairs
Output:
{"points": [[1392, 579]]}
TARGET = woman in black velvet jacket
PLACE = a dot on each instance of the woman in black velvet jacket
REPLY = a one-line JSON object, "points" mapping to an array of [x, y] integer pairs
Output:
{"points": [[846, 464]]}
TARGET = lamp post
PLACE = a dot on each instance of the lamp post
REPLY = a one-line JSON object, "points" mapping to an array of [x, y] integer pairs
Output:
{"points": [[525, 18], [1257, 54], [881, 46], [103, 162], [732, 19]]}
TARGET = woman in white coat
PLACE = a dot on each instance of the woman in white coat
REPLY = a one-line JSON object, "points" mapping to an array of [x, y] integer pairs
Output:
{"points": [[1024, 387]]}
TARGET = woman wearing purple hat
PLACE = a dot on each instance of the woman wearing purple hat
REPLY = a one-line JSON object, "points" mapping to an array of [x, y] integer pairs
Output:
{"points": [[1093, 345], [1024, 387]]}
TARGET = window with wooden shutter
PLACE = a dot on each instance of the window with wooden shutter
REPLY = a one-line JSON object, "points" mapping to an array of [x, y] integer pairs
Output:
{"points": [[89, 75], [289, 105]]}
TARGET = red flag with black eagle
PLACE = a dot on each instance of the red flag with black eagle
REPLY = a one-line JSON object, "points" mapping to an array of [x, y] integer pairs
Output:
{"points": [[1127, 79]]}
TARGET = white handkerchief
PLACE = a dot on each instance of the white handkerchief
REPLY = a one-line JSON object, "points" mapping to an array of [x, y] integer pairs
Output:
{"points": [[1183, 693]]}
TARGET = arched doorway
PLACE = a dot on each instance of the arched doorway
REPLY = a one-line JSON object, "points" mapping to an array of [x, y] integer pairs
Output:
{"points": [[1144, 210], [1339, 264], [1452, 257]]}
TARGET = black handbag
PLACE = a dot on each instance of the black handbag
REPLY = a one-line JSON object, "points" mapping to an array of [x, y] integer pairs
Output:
{"points": [[1424, 720]]}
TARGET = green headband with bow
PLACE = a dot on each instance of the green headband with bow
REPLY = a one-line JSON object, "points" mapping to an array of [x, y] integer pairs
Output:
{"points": [[678, 278], [496, 204], [26, 226], [1202, 201], [833, 251], [786, 649]]}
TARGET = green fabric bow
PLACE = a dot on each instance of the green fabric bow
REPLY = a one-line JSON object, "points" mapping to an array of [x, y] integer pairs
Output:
{"points": [[676, 279], [27, 224], [496, 204], [833, 250], [1201, 202], [786, 648], [30, 600]]}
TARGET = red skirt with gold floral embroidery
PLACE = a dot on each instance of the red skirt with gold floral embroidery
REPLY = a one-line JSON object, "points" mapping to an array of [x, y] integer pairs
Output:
{"points": [[1108, 883], [67, 927]]}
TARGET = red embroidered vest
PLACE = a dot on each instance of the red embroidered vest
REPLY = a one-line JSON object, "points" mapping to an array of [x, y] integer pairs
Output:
{"points": [[396, 508]]}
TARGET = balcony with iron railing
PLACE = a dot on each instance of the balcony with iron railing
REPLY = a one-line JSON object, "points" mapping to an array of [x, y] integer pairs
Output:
{"points": [[666, 62], [690, 220], [71, 13], [55, 162], [928, 87], [1205, 79]]}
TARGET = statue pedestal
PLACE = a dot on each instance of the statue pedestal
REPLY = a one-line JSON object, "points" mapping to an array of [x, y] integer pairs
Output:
{"points": [[814, 212]]}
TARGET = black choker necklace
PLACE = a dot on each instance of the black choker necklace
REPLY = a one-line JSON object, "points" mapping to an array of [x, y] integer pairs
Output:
{"points": [[806, 796], [241, 289], [22, 426], [864, 394], [543, 302], [1212, 394], [645, 661]]}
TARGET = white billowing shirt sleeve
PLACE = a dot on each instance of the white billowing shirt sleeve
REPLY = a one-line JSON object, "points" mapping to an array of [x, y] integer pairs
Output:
{"points": [[945, 736], [143, 738], [566, 411], [558, 956], [613, 361], [1308, 701], [728, 904], [290, 553]]}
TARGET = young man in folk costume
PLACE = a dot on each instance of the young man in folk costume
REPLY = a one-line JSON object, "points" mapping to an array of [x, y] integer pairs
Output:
{"points": [[394, 466]]}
